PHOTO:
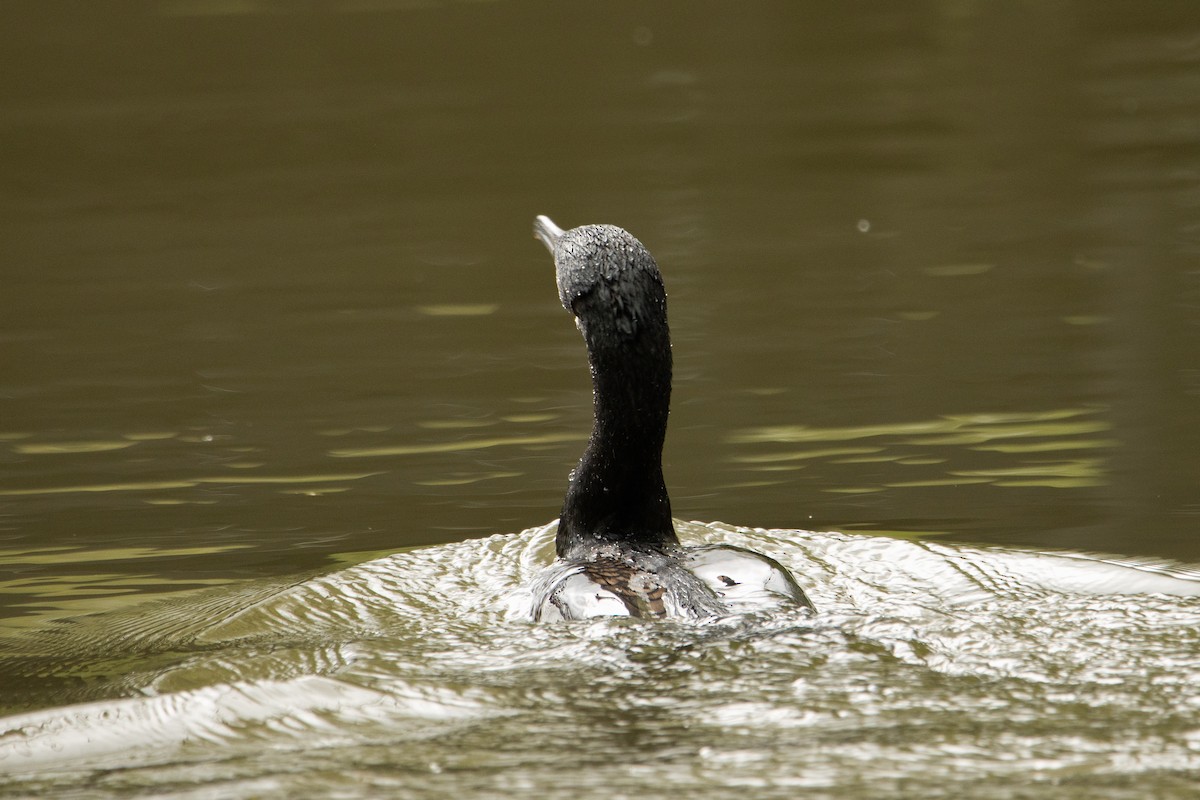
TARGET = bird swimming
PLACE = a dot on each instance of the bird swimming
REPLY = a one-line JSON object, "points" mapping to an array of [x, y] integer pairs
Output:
{"points": [[618, 554]]}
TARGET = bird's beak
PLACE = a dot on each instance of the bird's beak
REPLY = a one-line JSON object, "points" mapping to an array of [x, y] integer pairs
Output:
{"points": [[545, 229]]}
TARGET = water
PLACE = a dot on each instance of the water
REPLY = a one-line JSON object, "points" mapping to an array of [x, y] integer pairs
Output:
{"points": [[929, 669], [273, 312]]}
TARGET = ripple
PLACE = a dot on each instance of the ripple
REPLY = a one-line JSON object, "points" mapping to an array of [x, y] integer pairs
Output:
{"points": [[925, 662]]}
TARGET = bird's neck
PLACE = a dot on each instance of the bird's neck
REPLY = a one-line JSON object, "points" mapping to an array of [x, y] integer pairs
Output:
{"points": [[617, 493]]}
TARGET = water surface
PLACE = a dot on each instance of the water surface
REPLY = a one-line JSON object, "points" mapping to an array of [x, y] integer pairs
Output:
{"points": [[273, 308], [941, 670]]}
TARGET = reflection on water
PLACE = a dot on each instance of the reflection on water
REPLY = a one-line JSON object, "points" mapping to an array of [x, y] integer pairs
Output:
{"points": [[1034, 459], [239, 479], [929, 667]]}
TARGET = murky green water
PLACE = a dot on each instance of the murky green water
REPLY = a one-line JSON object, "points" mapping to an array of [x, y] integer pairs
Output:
{"points": [[930, 670], [273, 308]]}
